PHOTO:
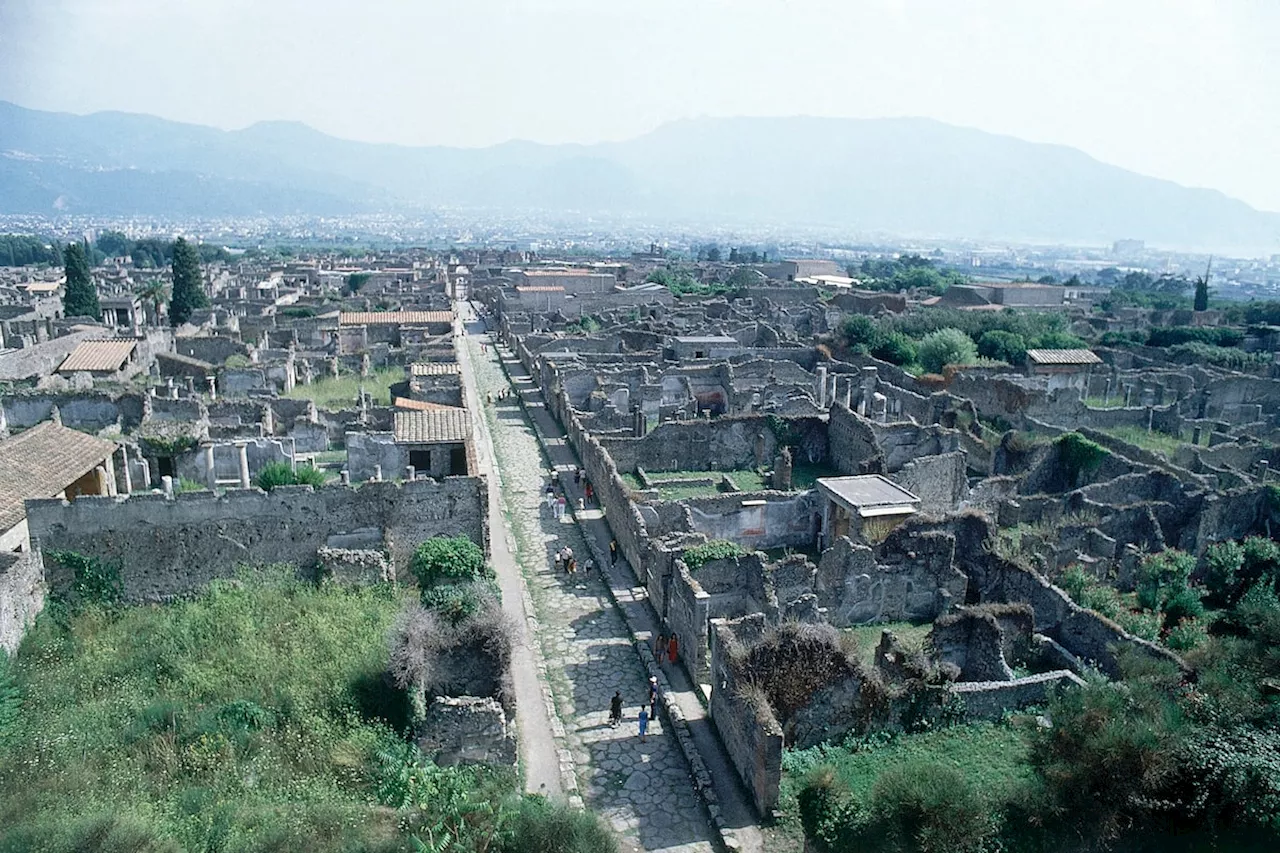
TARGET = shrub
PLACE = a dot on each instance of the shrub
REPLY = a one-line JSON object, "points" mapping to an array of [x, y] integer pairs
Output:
{"points": [[928, 807], [10, 699], [717, 549], [455, 602], [1079, 456], [447, 559], [1056, 340], [1223, 562], [536, 825], [945, 346], [895, 348], [1169, 336], [275, 474], [1003, 346], [93, 581], [1162, 575], [860, 330], [1186, 635]]}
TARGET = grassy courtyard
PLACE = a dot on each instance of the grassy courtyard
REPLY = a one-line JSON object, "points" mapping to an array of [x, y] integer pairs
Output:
{"points": [[340, 392]]}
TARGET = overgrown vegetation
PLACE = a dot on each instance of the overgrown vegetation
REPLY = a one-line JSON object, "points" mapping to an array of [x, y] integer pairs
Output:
{"points": [[1078, 456], [717, 549], [283, 474], [253, 717]]}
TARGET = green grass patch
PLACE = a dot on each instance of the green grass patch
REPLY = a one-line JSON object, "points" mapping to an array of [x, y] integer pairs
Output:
{"points": [[334, 393], [991, 757], [1105, 402], [249, 713], [868, 637], [1155, 442]]}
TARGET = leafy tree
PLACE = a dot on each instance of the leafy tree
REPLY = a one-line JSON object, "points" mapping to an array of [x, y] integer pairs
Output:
{"points": [[713, 253], [895, 348], [860, 331], [188, 283], [82, 295], [113, 244], [946, 346], [743, 277], [356, 280], [155, 292], [447, 559], [1002, 346], [18, 250]]}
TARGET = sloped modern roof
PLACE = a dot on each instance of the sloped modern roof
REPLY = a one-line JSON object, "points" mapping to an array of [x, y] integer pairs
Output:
{"points": [[41, 462], [396, 318], [420, 405], [450, 424], [1062, 356], [869, 494], [99, 356]]}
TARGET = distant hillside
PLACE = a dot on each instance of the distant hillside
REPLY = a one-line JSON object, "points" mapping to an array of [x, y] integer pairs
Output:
{"points": [[911, 177]]}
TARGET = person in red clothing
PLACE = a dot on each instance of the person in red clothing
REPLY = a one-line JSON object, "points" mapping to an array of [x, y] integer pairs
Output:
{"points": [[672, 647]]}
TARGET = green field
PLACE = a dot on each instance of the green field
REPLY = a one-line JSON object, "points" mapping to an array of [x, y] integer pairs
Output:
{"points": [[334, 393], [253, 717]]}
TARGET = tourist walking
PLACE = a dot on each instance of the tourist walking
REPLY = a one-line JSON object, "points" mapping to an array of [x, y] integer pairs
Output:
{"points": [[644, 723], [653, 696], [615, 709], [660, 648], [613, 552], [672, 648], [559, 561], [560, 508]]}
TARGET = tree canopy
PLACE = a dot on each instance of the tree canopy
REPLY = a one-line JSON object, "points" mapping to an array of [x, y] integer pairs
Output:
{"points": [[188, 283], [82, 295]]}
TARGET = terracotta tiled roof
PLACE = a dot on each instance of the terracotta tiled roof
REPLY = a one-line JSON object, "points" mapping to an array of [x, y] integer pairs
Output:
{"points": [[398, 318], [101, 356], [1063, 356], [450, 424], [41, 462], [434, 368]]}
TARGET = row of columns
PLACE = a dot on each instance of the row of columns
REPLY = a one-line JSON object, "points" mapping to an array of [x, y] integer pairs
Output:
{"points": [[211, 474]]}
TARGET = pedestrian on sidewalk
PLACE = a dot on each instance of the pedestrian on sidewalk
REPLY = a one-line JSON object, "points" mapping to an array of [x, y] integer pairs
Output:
{"points": [[571, 566], [653, 697], [613, 552], [577, 476], [581, 505], [644, 723], [589, 566], [672, 648], [560, 508], [559, 561], [660, 648], [590, 493], [615, 709]]}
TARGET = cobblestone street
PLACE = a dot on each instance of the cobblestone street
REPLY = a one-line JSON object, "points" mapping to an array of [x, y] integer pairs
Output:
{"points": [[643, 789]]}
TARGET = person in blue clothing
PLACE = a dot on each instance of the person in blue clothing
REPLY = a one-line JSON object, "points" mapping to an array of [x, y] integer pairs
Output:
{"points": [[644, 723]]}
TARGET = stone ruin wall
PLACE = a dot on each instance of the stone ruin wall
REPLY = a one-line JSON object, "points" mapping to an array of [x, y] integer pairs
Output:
{"points": [[170, 547], [22, 592]]}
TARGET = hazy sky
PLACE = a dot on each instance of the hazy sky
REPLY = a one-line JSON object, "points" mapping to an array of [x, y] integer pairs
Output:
{"points": [[1181, 89]]}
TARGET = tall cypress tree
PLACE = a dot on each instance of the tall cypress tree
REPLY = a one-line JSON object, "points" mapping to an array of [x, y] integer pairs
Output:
{"points": [[82, 296], [1202, 294], [188, 283]]}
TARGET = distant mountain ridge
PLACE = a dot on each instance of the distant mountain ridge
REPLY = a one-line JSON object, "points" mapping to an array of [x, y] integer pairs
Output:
{"points": [[906, 176]]}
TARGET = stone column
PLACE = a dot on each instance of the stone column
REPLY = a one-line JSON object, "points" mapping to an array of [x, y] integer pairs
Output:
{"points": [[173, 388], [191, 385], [213, 387], [409, 473], [820, 386], [377, 473], [167, 483], [109, 466], [210, 475], [145, 468], [104, 485], [242, 448], [124, 469]]}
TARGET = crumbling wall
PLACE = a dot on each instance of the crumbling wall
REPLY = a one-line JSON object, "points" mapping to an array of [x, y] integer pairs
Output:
{"points": [[169, 547], [22, 592], [853, 446], [913, 578], [748, 729], [941, 482], [466, 730]]}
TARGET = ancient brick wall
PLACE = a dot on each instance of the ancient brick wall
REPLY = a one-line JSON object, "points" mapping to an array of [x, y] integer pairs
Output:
{"points": [[168, 547], [22, 592]]}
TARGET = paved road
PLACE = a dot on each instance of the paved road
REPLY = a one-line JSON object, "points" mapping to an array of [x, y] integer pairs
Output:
{"points": [[642, 789]]}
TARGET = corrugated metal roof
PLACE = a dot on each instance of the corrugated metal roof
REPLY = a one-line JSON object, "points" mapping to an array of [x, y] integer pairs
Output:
{"points": [[1063, 356], [434, 368], [398, 318], [451, 424], [41, 462], [99, 356], [867, 491], [539, 288]]}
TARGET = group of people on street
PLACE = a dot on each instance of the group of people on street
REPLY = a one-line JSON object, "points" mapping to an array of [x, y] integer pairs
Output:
{"points": [[564, 559], [668, 647], [648, 711]]}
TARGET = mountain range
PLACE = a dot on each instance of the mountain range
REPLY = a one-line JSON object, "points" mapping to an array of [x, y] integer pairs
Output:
{"points": [[909, 177]]}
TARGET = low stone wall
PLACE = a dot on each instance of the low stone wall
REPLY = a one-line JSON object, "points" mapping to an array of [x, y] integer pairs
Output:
{"points": [[466, 730], [169, 547], [22, 593], [988, 700]]}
